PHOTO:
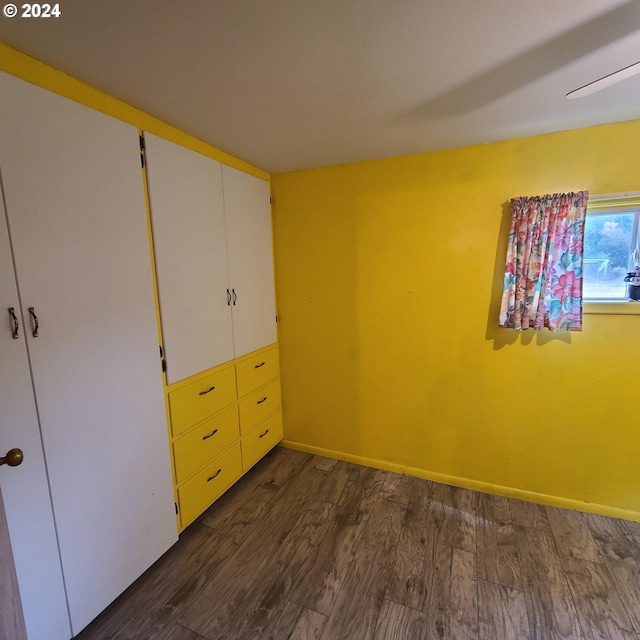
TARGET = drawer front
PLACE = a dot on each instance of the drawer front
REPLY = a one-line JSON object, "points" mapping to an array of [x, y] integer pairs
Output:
{"points": [[263, 438], [256, 407], [197, 401], [257, 370], [204, 443], [203, 489]]}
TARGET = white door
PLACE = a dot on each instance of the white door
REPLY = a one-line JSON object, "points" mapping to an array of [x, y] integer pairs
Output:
{"points": [[77, 220], [187, 212], [248, 220], [25, 488]]}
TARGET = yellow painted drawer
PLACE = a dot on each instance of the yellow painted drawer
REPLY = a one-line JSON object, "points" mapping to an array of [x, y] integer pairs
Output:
{"points": [[204, 443], [208, 485], [263, 438], [255, 371], [256, 407], [197, 401]]}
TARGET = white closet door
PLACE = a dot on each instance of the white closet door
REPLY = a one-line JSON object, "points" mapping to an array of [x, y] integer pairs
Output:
{"points": [[248, 219], [24, 488], [74, 198], [187, 212]]}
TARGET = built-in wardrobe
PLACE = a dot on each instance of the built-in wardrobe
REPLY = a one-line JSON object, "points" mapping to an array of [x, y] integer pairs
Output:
{"points": [[213, 252], [112, 446]]}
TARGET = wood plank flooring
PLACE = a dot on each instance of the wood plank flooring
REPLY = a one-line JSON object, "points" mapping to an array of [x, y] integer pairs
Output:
{"points": [[307, 548]]}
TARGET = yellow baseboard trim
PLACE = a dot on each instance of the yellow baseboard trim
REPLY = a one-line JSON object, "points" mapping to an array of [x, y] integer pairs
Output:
{"points": [[467, 483]]}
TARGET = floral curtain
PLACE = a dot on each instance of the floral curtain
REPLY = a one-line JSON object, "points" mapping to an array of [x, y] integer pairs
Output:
{"points": [[543, 274]]}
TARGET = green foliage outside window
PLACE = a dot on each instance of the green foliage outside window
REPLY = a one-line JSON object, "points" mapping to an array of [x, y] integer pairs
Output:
{"points": [[608, 241]]}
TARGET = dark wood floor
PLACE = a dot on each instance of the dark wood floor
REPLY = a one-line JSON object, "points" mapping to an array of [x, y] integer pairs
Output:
{"points": [[307, 548]]}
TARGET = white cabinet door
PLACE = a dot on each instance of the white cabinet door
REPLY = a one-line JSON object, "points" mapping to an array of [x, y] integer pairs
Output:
{"points": [[187, 212], [75, 205], [24, 488], [248, 221]]}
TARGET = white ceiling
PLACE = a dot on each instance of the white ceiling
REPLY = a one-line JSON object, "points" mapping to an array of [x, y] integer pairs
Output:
{"points": [[292, 84]]}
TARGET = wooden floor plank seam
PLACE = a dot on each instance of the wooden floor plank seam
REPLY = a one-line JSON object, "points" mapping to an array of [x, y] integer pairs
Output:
{"points": [[309, 548]]}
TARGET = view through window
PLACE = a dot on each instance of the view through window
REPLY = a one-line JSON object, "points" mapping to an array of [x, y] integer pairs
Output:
{"points": [[610, 239]]}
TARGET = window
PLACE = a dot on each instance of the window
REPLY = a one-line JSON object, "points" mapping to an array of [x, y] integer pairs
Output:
{"points": [[610, 240]]}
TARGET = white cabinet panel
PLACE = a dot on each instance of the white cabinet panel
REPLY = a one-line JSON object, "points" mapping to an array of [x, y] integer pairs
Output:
{"points": [[187, 212], [212, 236], [24, 488], [248, 220], [75, 204]]}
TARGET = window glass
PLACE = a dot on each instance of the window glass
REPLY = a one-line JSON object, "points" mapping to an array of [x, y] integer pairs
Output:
{"points": [[609, 241]]}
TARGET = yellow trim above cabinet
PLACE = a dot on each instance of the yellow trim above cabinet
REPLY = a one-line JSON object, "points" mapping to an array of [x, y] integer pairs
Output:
{"points": [[22, 66]]}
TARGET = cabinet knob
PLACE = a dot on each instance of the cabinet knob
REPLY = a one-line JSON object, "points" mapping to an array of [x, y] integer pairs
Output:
{"points": [[13, 458]]}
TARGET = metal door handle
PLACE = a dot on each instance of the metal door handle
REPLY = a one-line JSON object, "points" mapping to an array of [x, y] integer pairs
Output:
{"points": [[228, 297], [235, 297], [13, 458], [36, 324], [16, 324]]}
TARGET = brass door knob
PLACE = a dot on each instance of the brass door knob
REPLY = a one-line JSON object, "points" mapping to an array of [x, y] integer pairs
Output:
{"points": [[13, 458]]}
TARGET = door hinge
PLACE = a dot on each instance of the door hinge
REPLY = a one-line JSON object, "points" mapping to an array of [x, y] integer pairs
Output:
{"points": [[162, 360], [142, 151]]}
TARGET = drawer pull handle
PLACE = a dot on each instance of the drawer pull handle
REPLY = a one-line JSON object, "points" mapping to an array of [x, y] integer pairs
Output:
{"points": [[215, 475], [36, 323], [260, 365], [204, 393], [14, 320], [209, 435], [261, 401], [262, 435]]}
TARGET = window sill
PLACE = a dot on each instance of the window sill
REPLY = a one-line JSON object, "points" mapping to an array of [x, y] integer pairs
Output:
{"points": [[607, 308]]}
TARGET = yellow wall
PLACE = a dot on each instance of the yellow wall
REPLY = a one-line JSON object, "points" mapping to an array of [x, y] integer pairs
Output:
{"points": [[389, 279]]}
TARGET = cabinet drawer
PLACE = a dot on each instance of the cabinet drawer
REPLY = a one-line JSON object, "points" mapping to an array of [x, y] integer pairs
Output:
{"points": [[208, 485], [256, 407], [257, 370], [204, 443], [263, 438], [197, 401]]}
